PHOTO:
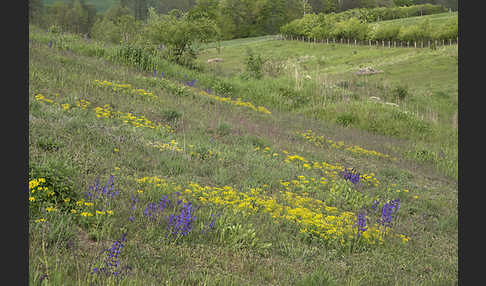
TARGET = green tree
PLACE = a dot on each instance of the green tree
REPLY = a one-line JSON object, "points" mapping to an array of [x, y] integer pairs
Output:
{"points": [[180, 34], [118, 25], [272, 15], [59, 14], [78, 18], [205, 8], [36, 10]]}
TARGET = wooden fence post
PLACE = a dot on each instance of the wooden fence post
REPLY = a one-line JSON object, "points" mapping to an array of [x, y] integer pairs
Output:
{"points": [[355, 42], [415, 44]]}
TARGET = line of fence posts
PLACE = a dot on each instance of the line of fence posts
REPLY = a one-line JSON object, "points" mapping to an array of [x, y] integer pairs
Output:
{"points": [[370, 42]]}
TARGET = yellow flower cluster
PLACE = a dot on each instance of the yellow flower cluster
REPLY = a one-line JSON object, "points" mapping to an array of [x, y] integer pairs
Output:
{"points": [[104, 111], [36, 185], [86, 209], [303, 184], [237, 102], [332, 171], [319, 141], [171, 146], [359, 150], [311, 215], [141, 121], [158, 182], [195, 154], [306, 212], [42, 98], [83, 103], [124, 87]]}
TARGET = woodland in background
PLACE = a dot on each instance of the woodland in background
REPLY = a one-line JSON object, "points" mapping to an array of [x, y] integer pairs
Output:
{"points": [[234, 18]]}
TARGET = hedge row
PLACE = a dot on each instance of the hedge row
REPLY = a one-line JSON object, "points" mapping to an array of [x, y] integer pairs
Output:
{"points": [[321, 27]]}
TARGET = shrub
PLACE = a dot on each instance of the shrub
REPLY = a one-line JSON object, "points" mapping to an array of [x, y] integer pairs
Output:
{"points": [[134, 55], [400, 92], [222, 88], [171, 115], [224, 129], [385, 33], [254, 64], [350, 29], [347, 119], [446, 31]]}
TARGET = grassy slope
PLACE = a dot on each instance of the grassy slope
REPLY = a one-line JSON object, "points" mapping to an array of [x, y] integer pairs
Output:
{"points": [[430, 76], [80, 146], [435, 19]]}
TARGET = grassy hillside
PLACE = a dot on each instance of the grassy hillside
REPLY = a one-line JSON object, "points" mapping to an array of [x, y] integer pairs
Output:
{"points": [[435, 19], [143, 180], [320, 80]]}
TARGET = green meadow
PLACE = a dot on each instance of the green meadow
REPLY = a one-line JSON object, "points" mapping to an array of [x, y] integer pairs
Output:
{"points": [[310, 175]]}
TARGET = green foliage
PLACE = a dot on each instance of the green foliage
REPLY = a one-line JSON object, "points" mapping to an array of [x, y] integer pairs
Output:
{"points": [[224, 129], [76, 17], [171, 115], [238, 236], [222, 88], [317, 278], [384, 33], [448, 30], [347, 119], [58, 176], [355, 24], [345, 194], [134, 55], [180, 35], [400, 92], [254, 64], [117, 27], [350, 29]]}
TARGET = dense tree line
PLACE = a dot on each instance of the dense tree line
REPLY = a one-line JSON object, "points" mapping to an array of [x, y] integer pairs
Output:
{"points": [[234, 18]]}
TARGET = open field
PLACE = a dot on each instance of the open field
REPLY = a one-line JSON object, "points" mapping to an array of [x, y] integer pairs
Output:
{"points": [[267, 176], [435, 19]]}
